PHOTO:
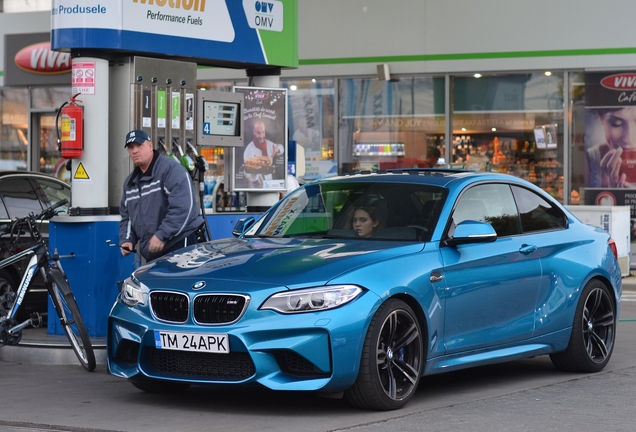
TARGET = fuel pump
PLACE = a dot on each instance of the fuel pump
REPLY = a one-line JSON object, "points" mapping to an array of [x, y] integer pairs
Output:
{"points": [[71, 141], [200, 167]]}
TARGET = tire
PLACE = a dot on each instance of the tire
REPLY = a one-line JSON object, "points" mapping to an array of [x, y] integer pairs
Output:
{"points": [[593, 332], [392, 359], [71, 319], [5, 337], [156, 386], [7, 292]]}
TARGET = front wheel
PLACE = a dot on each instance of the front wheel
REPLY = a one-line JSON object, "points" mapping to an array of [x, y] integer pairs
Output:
{"points": [[392, 359], [71, 319], [593, 332]]}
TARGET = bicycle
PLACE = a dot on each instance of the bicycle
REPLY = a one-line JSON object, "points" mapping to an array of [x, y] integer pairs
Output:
{"points": [[56, 283]]}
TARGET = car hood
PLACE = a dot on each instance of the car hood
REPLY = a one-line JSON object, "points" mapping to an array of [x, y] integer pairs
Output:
{"points": [[290, 262]]}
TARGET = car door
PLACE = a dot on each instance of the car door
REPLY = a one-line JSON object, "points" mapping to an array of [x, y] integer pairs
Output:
{"points": [[490, 288], [545, 225]]}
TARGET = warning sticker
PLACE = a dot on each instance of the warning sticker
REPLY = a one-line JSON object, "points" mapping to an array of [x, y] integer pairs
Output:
{"points": [[83, 77], [81, 174]]}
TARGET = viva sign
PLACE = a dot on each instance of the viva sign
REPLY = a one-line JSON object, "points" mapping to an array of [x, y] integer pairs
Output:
{"points": [[38, 58]]}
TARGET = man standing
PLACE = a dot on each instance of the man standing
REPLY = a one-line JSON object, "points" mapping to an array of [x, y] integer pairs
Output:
{"points": [[158, 206], [258, 157], [432, 157]]}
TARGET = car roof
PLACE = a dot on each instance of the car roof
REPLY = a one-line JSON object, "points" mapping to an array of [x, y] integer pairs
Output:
{"points": [[10, 173], [441, 177]]}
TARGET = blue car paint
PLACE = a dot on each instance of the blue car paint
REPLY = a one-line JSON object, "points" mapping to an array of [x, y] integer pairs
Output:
{"points": [[539, 323]]}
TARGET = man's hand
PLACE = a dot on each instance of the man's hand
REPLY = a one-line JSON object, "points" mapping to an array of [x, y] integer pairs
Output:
{"points": [[126, 248], [155, 244]]}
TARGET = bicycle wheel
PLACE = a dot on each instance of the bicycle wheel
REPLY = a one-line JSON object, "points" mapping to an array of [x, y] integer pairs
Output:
{"points": [[71, 319]]}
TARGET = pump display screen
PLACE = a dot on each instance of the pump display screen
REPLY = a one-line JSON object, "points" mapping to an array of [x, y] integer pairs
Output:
{"points": [[220, 118]]}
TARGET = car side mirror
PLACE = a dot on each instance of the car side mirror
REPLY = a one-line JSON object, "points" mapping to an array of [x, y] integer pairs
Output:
{"points": [[470, 231], [243, 225]]}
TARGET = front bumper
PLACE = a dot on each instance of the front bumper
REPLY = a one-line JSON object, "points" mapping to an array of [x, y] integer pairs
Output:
{"points": [[309, 351]]}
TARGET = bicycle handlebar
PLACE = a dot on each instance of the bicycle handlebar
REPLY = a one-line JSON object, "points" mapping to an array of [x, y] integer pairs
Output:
{"points": [[50, 212], [46, 214]]}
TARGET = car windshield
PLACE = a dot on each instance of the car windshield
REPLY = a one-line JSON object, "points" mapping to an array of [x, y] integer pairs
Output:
{"points": [[366, 210]]}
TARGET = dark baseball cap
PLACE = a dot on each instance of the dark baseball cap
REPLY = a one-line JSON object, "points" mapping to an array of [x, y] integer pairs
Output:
{"points": [[136, 136]]}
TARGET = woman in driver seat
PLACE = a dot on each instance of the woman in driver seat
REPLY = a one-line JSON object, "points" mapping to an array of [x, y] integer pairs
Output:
{"points": [[366, 221]]}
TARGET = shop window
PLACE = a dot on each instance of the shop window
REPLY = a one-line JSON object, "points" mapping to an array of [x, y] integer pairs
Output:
{"points": [[390, 124], [577, 138], [311, 123], [49, 97], [511, 124], [14, 121]]}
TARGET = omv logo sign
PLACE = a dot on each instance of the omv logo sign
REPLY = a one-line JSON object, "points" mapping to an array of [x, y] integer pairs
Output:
{"points": [[264, 15]]}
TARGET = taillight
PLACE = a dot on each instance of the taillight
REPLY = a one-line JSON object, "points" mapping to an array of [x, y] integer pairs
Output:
{"points": [[612, 245]]}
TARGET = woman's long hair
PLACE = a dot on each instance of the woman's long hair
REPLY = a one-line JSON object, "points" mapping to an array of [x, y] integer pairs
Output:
{"points": [[373, 213]]}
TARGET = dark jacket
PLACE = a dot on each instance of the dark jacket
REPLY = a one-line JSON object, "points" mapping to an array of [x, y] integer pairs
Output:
{"points": [[160, 201]]}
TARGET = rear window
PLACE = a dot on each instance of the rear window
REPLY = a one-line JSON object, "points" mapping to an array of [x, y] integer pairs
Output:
{"points": [[54, 192], [536, 213], [19, 197]]}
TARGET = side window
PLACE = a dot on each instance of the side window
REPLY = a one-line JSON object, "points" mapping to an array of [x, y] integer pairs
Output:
{"points": [[490, 203], [3, 211], [54, 192], [536, 213], [19, 196]]}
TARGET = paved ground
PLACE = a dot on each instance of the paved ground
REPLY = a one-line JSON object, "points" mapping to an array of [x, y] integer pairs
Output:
{"points": [[526, 395]]}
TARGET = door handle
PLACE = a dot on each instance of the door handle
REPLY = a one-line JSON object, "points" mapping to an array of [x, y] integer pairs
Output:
{"points": [[436, 277], [528, 249]]}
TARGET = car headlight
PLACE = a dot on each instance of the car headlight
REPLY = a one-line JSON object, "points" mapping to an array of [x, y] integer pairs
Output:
{"points": [[312, 299], [133, 292]]}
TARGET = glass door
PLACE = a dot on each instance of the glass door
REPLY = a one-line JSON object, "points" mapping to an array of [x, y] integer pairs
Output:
{"points": [[45, 155]]}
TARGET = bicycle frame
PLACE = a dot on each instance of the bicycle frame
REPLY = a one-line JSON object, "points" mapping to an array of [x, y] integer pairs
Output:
{"points": [[26, 278]]}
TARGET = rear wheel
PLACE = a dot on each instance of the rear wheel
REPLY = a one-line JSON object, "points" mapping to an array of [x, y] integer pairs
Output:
{"points": [[392, 359], [71, 319], [7, 292], [593, 332]]}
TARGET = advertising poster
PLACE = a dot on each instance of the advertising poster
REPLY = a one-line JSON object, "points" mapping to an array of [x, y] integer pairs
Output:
{"points": [[261, 165], [610, 140], [305, 119]]}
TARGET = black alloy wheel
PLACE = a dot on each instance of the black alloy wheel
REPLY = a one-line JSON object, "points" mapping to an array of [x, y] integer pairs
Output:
{"points": [[593, 332], [392, 359]]}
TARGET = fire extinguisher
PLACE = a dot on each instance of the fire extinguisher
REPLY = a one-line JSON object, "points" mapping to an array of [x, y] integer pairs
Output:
{"points": [[70, 142]]}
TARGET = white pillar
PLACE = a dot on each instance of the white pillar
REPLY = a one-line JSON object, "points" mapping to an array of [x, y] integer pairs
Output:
{"points": [[90, 172]]}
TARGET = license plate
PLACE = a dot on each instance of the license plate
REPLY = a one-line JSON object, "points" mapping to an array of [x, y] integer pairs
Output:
{"points": [[198, 342]]}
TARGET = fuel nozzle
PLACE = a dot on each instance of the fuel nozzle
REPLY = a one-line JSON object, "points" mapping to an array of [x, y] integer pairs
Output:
{"points": [[166, 152], [185, 160], [200, 163]]}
